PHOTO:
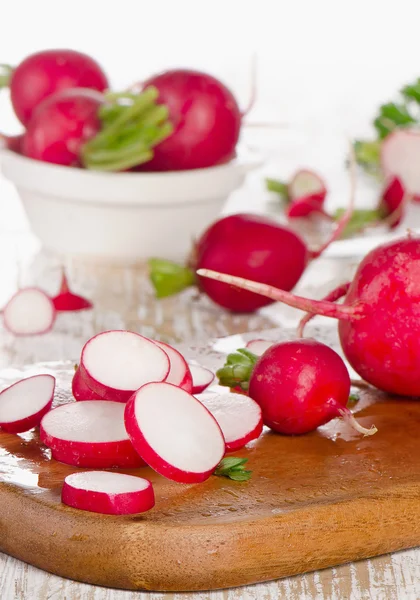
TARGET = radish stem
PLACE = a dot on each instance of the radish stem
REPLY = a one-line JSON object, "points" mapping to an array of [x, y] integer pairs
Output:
{"points": [[5, 75], [333, 296]]}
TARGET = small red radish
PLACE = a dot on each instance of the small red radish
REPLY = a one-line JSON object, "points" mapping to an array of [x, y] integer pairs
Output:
{"points": [[80, 390], [174, 433], [29, 312], [400, 156], [67, 301], [89, 434], [306, 183], [43, 73], [299, 385], [206, 118], [379, 320], [108, 493], [179, 372], [239, 417], [258, 347], [115, 363], [23, 404], [201, 378]]}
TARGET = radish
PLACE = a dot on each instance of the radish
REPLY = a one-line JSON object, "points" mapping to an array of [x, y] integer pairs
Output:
{"points": [[23, 404], [179, 371], [392, 203], [333, 296], [89, 434], [29, 312], [305, 194], [67, 301], [206, 118], [258, 347], [299, 385], [306, 183], [201, 378], [43, 73], [400, 156], [174, 433], [108, 493], [379, 320], [80, 390], [305, 206], [239, 417]]}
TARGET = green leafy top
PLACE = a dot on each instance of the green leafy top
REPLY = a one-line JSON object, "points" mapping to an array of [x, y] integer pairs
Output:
{"points": [[237, 369], [233, 468]]}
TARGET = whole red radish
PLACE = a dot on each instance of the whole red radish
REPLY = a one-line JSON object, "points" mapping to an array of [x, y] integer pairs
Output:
{"points": [[44, 73], [206, 120], [299, 385], [379, 320]]}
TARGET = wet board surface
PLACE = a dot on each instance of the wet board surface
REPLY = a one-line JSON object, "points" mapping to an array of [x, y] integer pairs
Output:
{"points": [[314, 501]]}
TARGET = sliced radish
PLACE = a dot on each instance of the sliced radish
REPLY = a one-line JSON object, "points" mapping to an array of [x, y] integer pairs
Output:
{"points": [[108, 493], [29, 312], [258, 347], [400, 157], [305, 206], [89, 434], [80, 390], [23, 404], [306, 183], [174, 433], [201, 377], [114, 364], [179, 372], [239, 417], [66, 301]]}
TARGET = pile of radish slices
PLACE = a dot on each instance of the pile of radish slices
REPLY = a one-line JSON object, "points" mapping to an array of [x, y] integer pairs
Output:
{"points": [[137, 403]]}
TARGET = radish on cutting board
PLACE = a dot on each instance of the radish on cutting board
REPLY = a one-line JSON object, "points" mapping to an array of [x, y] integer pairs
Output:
{"points": [[80, 390], [258, 347], [116, 363], [108, 493], [174, 433], [179, 372], [24, 403], [239, 417], [201, 378], [29, 312], [89, 434]]}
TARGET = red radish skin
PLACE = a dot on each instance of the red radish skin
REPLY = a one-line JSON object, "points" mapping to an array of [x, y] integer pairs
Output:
{"points": [[42, 74], [201, 378], [23, 404], [89, 434], [67, 301], [174, 433], [305, 206], [29, 312], [239, 417], [108, 493], [206, 118], [400, 156], [80, 390], [179, 372], [115, 363], [379, 320], [393, 202]]}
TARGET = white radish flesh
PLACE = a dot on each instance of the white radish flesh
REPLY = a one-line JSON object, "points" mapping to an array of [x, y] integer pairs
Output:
{"points": [[179, 372], [29, 312], [116, 363], [201, 378], [258, 347], [400, 157], [108, 493], [23, 404], [89, 434], [305, 183], [174, 433]]}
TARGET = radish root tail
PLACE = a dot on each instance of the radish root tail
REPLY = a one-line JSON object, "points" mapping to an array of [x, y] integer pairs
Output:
{"points": [[349, 418]]}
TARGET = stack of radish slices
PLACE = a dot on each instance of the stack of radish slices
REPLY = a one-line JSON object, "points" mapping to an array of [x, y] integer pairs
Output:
{"points": [[134, 407]]}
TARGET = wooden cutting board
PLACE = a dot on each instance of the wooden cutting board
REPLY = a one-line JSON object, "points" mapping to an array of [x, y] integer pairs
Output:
{"points": [[313, 501]]}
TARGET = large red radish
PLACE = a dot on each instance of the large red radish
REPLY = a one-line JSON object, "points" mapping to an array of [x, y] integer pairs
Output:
{"points": [[258, 347], [89, 434], [201, 378], [179, 372], [24, 403], [239, 417], [400, 156], [80, 390], [108, 493], [29, 312], [174, 433], [116, 363], [66, 300]]}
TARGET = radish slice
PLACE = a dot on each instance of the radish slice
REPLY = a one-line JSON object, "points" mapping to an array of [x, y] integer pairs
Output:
{"points": [[201, 377], [29, 312], [23, 404], [179, 372], [306, 183], [114, 364], [174, 433], [108, 493], [239, 417], [400, 157], [89, 434], [258, 347], [80, 390]]}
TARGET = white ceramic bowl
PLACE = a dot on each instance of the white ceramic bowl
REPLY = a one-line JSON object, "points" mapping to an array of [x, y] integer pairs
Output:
{"points": [[121, 217]]}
